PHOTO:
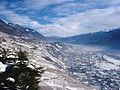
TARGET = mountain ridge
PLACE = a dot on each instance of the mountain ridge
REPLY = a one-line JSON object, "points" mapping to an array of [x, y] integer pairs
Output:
{"points": [[102, 38], [17, 30], [109, 38]]}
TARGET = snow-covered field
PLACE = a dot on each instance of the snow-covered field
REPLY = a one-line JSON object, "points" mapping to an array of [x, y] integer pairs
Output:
{"points": [[63, 81], [112, 60], [2, 67], [110, 63]]}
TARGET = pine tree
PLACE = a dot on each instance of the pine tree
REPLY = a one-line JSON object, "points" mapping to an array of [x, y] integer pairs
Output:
{"points": [[22, 56], [24, 77], [4, 56]]}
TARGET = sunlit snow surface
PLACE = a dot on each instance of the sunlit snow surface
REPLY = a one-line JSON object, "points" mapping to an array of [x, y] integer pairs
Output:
{"points": [[11, 79], [110, 63], [2, 67], [112, 60]]}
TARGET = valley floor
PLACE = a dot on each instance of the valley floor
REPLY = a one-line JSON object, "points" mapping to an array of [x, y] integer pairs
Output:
{"points": [[94, 66]]}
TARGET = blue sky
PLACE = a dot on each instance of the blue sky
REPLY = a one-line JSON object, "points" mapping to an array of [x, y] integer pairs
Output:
{"points": [[62, 17]]}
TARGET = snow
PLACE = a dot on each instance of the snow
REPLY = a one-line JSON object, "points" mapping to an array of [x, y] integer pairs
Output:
{"points": [[58, 81], [111, 63], [31, 66], [49, 74], [43, 63], [112, 60], [107, 66], [25, 45], [2, 67], [59, 46], [27, 30], [72, 88], [11, 56], [27, 87], [11, 79], [63, 86]]}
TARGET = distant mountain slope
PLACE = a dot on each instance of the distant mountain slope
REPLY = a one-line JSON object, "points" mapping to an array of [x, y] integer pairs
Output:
{"points": [[17, 30], [109, 38]]}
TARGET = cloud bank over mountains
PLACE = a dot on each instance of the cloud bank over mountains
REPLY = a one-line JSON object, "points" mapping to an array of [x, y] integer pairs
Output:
{"points": [[62, 17]]}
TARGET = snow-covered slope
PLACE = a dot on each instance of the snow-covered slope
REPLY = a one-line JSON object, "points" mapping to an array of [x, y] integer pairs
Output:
{"points": [[17, 30], [48, 55]]}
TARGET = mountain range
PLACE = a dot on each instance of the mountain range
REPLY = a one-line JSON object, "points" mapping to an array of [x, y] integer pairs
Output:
{"points": [[103, 38]]}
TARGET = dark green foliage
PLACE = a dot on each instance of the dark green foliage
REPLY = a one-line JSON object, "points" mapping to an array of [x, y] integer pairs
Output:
{"points": [[22, 56], [5, 53], [25, 77]]}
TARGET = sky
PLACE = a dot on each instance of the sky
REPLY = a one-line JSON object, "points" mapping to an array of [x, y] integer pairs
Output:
{"points": [[62, 17]]}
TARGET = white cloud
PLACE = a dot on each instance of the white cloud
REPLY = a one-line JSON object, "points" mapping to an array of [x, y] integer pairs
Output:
{"points": [[89, 21], [82, 22], [76, 7], [19, 19], [49, 29], [70, 8], [39, 4]]}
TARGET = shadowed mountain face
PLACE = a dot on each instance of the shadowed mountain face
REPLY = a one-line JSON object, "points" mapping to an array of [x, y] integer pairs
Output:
{"points": [[17, 30], [109, 38]]}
